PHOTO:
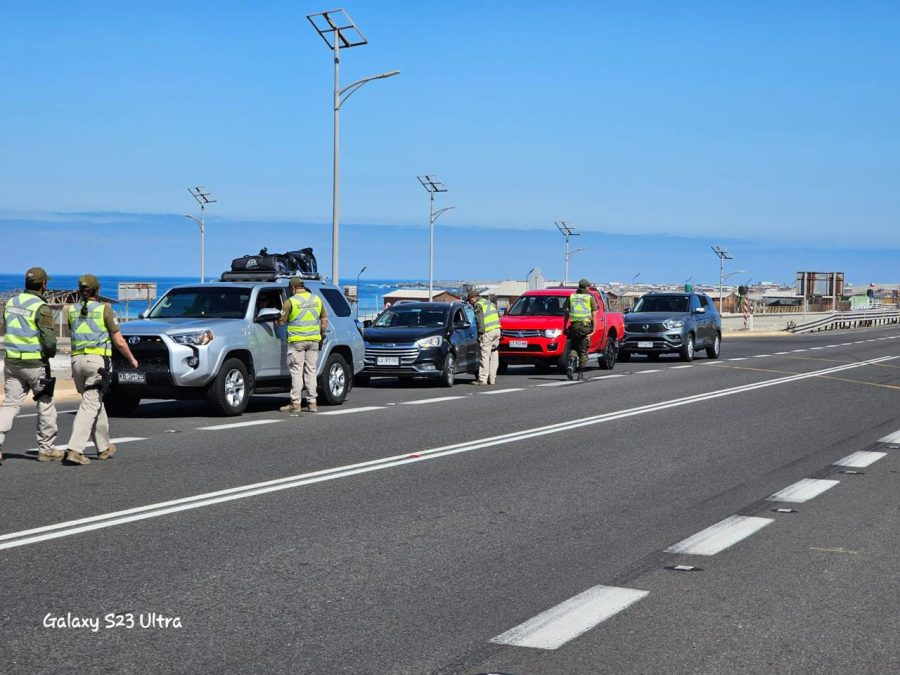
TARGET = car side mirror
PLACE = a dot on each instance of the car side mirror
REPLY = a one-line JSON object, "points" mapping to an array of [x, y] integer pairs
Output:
{"points": [[268, 314], [627, 310], [462, 325], [700, 310], [143, 315], [367, 323]]}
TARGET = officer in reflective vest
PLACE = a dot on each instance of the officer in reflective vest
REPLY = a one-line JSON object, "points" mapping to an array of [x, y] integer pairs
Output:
{"points": [[307, 322], [29, 340], [93, 328], [487, 320], [582, 310]]}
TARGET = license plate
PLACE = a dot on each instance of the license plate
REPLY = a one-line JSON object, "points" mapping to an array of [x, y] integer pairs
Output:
{"points": [[645, 345], [518, 344], [387, 360], [132, 378]]}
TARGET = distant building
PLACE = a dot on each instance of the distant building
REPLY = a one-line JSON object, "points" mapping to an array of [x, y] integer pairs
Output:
{"points": [[504, 294], [418, 295]]}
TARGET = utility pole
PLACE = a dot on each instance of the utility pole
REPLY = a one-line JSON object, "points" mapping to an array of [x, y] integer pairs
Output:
{"points": [[432, 184], [203, 198], [567, 231], [723, 256]]}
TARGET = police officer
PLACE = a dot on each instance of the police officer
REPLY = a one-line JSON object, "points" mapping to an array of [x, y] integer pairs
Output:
{"points": [[487, 320], [94, 330], [307, 321], [583, 308], [30, 341]]}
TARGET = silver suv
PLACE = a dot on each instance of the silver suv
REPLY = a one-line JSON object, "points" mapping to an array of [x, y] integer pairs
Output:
{"points": [[221, 341], [672, 323]]}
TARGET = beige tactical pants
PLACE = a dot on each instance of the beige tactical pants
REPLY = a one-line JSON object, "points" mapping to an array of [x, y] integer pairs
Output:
{"points": [[303, 358], [490, 356], [17, 383], [90, 422]]}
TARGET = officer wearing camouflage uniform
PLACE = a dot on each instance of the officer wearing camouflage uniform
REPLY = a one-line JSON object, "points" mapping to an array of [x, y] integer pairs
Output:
{"points": [[307, 320], [29, 339], [94, 330], [583, 308], [487, 319]]}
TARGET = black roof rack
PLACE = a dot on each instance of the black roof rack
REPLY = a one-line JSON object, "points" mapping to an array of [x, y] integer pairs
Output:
{"points": [[265, 276]]}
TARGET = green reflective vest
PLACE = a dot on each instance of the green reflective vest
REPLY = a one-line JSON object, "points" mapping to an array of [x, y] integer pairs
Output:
{"points": [[580, 307], [89, 332], [490, 315], [305, 321], [22, 336]]}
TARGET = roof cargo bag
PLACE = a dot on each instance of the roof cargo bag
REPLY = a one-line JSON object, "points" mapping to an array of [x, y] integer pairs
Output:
{"points": [[303, 261]]}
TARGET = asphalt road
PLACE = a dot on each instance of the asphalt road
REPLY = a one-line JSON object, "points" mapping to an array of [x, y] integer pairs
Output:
{"points": [[527, 527]]}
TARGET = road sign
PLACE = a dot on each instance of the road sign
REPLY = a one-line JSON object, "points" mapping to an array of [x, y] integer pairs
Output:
{"points": [[140, 290]]}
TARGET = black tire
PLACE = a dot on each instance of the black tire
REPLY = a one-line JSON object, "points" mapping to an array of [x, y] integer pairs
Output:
{"points": [[361, 380], [607, 360], [624, 357], [230, 392], [119, 403], [563, 363], [448, 374], [502, 367], [687, 351], [716, 349], [334, 384]]}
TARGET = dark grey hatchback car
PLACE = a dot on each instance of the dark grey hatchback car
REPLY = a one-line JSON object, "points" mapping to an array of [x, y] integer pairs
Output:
{"points": [[672, 323]]}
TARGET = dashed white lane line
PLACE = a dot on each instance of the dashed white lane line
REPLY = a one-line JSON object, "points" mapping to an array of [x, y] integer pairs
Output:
{"points": [[815, 348], [557, 384], [891, 438], [859, 342], [61, 412], [500, 391], [781, 353], [607, 377], [722, 535], [114, 441], [739, 358], [236, 425], [860, 459], [794, 351], [761, 356], [439, 399], [679, 367], [650, 370], [348, 411], [802, 490], [558, 625]]}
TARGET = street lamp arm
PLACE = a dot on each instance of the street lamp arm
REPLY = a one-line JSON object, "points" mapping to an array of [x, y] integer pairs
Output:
{"points": [[351, 89], [439, 212], [195, 219], [577, 250]]}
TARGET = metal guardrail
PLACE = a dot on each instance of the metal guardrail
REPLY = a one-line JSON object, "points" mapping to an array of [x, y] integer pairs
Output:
{"points": [[858, 319]]}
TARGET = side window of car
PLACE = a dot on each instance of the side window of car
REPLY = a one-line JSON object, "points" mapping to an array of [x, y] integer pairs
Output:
{"points": [[710, 307], [469, 314], [336, 301], [695, 303]]}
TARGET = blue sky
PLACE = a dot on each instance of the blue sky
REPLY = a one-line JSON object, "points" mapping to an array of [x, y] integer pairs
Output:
{"points": [[768, 127]]}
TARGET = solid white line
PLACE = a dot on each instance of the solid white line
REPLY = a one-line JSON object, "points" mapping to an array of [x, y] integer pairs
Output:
{"points": [[607, 377], [61, 412], [557, 384], [891, 438], [815, 348], [90, 444], [802, 490], [558, 625], [761, 356], [500, 391], [859, 342], [439, 399], [860, 459], [685, 366], [348, 411], [67, 528], [720, 536], [235, 425], [798, 350], [651, 370]]}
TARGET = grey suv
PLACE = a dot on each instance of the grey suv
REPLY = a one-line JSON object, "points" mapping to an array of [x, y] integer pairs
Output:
{"points": [[221, 341], [672, 323]]}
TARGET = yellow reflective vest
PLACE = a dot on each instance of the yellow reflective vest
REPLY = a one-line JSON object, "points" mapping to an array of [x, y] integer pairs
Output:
{"points": [[580, 307], [490, 315], [22, 337], [90, 334], [305, 322]]}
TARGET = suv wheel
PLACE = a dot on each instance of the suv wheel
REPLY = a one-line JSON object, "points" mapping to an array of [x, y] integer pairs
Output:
{"points": [[687, 351], [713, 352], [562, 363], [448, 375], [120, 404], [335, 378], [230, 392], [608, 357]]}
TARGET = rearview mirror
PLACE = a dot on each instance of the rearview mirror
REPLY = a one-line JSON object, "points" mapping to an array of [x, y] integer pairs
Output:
{"points": [[268, 314], [700, 310], [627, 309], [462, 325]]}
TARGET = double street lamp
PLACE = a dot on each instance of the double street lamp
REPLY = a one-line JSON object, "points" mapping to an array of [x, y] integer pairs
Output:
{"points": [[203, 198], [568, 231], [432, 184], [339, 32]]}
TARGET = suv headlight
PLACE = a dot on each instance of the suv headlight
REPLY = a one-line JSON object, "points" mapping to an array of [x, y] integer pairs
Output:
{"points": [[196, 338], [552, 333], [669, 324], [433, 341]]}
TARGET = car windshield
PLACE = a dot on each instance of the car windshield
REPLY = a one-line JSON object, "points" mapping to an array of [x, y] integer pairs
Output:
{"points": [[197, 303], [540, 305], [412, 317], [663, 303]]}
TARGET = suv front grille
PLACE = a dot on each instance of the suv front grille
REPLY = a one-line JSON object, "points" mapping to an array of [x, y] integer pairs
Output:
{"points": [[521, 333], [637, 327], [150, 351], [407, 353]]}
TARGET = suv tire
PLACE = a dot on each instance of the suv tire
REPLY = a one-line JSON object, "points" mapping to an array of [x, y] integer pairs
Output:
{"points": [[562, 363], [448, 374], [607, 359], [687, 351], [120, 404], [230, 392], [716, 348], [334, 383]]}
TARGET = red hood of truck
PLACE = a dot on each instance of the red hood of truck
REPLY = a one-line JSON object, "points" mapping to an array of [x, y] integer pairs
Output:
{"points": [[532, 322]]}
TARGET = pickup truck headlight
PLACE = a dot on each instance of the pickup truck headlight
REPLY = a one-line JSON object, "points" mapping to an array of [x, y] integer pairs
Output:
{"points": [[196, 338], [433, 341], [552, 333], [669, 324]]}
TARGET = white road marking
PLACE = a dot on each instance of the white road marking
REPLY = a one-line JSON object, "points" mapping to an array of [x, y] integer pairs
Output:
{"points": [[739, 358], [235, 425], [90, 444], [891, 438], [557, 384], [607, 377], [348, 411], [720, 536], [500, 391], [685, 366], [61, 412], [439, 399], [794, 351], [651, 370], [90, 523], [859, 342], [558, 625], [781, 353], [860, 459], [802, 490], [815, 348], [845, 344], [761, 356]]}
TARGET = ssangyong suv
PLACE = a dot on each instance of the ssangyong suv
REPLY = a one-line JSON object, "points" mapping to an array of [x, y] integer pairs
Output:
{"points": [[672, 323], [221, 341]]}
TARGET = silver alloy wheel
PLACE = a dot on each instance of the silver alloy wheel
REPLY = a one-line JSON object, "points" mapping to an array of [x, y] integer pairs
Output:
{"points": [[716, 345], [235, 388], [451, 369], [690, 347], [337, 380]]}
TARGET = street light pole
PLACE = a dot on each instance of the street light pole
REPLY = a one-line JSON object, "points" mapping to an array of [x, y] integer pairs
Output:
{"points": [[338, 31], [567, 231], [432, 184], [358, 275], [203, 198], [723, 256]]}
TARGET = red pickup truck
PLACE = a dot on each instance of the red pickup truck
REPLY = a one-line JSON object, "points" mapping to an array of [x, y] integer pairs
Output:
{"points": [[534, 330]]}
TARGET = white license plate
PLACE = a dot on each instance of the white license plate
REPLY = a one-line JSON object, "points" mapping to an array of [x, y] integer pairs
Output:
{"points": [[645, 345], [132, 378], [518, 344], [387, 360]]}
